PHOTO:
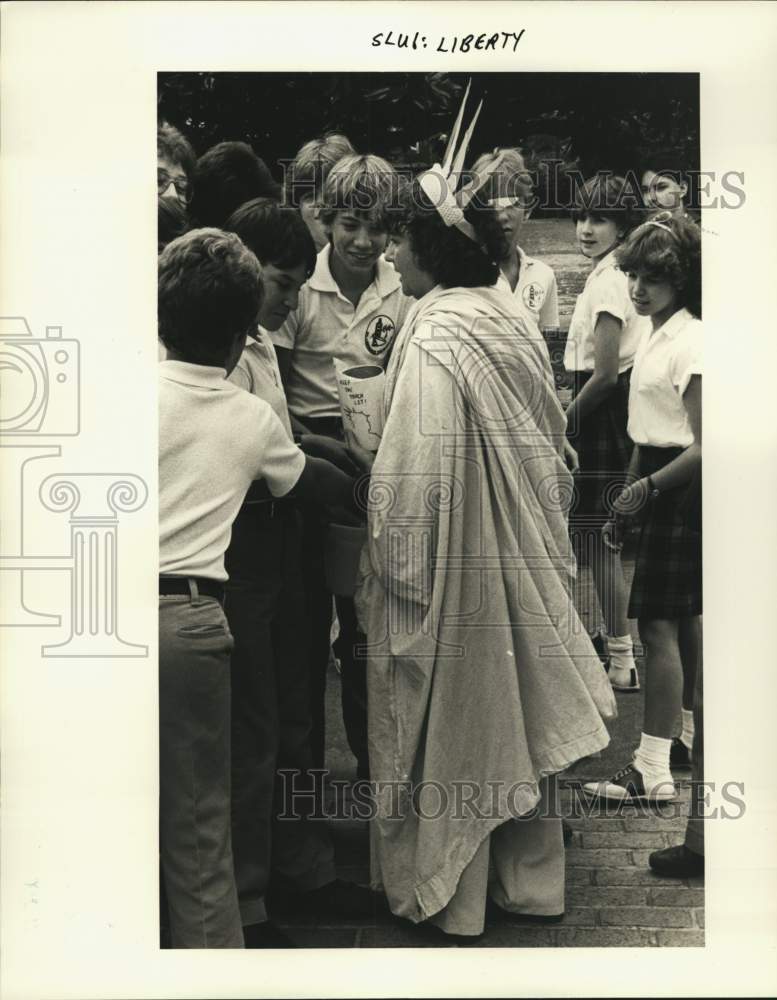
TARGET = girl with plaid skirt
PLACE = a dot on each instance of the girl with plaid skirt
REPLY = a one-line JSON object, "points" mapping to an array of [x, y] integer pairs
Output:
{"points": [[603, 337], [662, 259]]}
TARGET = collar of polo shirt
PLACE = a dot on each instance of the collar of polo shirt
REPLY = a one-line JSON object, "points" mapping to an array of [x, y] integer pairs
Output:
{"points": [[386, 279], [206, 376]]}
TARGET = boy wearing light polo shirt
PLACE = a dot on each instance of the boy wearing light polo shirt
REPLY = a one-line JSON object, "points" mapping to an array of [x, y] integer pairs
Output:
{"points": [[530, 281], [351, 309], [214, 440], [265, 607]]}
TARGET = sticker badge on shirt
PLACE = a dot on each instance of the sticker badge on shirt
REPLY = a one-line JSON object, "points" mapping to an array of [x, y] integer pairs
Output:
{"points": [[533, 296], [378, 334]]}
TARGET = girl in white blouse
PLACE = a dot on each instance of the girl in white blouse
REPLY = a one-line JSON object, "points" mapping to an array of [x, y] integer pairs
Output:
{"points": [[603, 336], [662, 259]]}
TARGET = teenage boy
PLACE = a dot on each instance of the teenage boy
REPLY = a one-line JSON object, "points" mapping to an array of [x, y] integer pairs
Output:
{"points": [[306, 176], [529, 280], [214, 440], [265, 607], [351, 309], [228, 175], [175, 165]]}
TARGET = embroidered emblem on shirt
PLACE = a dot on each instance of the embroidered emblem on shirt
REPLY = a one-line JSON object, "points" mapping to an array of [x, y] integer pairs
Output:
{"points": [[378, 334], [533, 295]]}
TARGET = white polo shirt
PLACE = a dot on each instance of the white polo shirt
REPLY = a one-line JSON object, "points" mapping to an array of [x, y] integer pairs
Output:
{"points": [[606, 291], [536, 289], [666, 360], [326, 326], [214, 440], [257, 372]]}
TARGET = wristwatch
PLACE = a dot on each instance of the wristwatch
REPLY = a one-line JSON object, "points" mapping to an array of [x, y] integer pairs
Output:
{"points": [[653, 491]]}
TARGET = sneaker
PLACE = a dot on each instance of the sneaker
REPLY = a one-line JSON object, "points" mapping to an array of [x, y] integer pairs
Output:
{"points": [[628, 785], [679, 755], [623, 680], [677, 862], [338, 898], [266, 935]]}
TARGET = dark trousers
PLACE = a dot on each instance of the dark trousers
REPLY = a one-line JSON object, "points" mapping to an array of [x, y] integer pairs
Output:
{"points": [[194, 773], [265, 605], [353, 668], [353, 678]]}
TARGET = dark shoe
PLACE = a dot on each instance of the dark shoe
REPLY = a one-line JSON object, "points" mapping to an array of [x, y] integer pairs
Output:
{"points": [[677, 862], [628, 785], [495, 911], [679, 755], [568, 832], [601, 649], [266, 935], [442, 939], [335, 899]]}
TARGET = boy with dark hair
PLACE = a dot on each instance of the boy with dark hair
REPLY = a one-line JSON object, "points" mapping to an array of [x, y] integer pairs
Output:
{"points": [[214, 440], [228, 175], [351, 309], [265, 607]]}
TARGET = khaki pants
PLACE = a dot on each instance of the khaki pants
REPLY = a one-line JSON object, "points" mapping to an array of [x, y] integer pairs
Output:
{"points": [[520, 866]]}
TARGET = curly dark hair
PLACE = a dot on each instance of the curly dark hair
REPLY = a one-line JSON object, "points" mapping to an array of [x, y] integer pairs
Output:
{"points": [[209, 294], [667, 248], [448, 255]]}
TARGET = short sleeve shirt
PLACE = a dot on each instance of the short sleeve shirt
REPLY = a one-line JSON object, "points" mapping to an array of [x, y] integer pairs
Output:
{"points": [[536, 290], [214, 440], [327, 326], [257, 372], [666, 360], [605, 291]]}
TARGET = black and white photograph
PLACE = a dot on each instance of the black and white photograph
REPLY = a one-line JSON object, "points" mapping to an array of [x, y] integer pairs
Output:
{"points": [[448, 571], [357, 527]]}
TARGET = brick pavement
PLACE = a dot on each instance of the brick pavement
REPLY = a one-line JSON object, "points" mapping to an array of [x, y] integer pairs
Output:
{"points": [[612, 898]]}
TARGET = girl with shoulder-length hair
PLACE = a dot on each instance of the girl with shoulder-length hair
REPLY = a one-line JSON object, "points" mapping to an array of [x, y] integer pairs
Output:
{"points": [[662, 261]]}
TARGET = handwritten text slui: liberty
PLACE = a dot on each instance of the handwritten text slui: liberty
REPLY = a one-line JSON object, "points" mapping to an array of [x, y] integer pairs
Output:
{"points": [[498, 41]]}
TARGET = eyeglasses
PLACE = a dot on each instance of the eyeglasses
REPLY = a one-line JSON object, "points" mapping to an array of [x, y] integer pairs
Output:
{"points": [[181, 184], [508, 202]]}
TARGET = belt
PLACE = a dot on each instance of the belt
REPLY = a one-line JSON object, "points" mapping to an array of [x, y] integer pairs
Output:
{"points": [[191, 586], [265, 509]]}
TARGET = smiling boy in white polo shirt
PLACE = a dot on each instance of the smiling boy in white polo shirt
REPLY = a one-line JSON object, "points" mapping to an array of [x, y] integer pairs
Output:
{"points": [[214, 440], [351, 309]]}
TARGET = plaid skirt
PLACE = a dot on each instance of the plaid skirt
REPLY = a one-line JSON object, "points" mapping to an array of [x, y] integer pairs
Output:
{"points": [[603, 450], [667, 572]]}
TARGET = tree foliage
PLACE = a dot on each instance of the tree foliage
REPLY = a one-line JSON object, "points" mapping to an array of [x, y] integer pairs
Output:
{"points": [[588, 121]]}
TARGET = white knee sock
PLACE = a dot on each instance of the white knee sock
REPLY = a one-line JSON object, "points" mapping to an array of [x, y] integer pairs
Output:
{"points": [[688, 730], [621, 651], [652, 757]]}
